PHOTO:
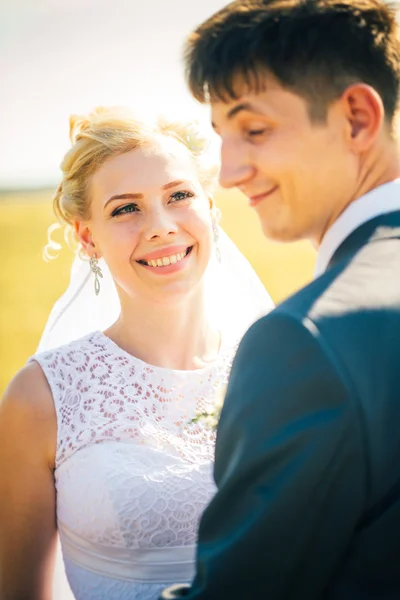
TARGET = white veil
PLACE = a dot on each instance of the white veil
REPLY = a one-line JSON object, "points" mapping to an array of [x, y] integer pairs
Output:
{"points": [[235, 298]]}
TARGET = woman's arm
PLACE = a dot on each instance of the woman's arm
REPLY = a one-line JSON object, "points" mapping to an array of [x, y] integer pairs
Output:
{"points": [[28, 534]]}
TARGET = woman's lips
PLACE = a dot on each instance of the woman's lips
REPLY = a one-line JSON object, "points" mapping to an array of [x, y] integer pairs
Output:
{"points": [[160, 252], [171, 268]]}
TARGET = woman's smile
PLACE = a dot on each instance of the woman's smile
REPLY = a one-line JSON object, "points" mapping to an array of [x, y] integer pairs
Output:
{"points": [[165, 262]]}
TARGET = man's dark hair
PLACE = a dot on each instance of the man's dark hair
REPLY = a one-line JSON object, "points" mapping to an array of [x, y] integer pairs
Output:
{"points": [[315, 48]]}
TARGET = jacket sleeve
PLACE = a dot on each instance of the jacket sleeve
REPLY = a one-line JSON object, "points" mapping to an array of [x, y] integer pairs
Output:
{"points": [[290, 471]]}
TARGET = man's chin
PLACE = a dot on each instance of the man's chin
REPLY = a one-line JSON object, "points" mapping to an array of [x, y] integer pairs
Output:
{"points": [[280, 234]]}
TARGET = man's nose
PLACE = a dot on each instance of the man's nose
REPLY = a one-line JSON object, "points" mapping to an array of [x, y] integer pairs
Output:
{"points": [[236, 167], [160, 223]]}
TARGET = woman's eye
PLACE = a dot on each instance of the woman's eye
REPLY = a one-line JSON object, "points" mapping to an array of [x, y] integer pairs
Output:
{"points": [[123, 210], [177, 196]]}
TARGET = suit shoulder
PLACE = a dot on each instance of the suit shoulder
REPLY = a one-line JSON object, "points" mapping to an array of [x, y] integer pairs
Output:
{"points": [[280, 328], [294, 321], [293, 310]]}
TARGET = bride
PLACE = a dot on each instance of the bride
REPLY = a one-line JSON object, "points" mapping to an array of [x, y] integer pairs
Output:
{"points": [[97, 438]]}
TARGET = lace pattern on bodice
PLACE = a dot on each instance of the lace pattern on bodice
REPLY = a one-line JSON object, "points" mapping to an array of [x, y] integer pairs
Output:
{"points": [[102, 393], [133, 473]]}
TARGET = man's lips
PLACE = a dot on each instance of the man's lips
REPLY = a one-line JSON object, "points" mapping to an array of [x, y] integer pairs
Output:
{"points": [[254, 200]]}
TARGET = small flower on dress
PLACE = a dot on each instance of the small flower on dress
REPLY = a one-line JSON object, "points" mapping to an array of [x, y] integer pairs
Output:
{"points": [[210, 416]]}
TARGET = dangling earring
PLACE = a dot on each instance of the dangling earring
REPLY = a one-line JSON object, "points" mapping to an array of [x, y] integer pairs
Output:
{"points": [[215, 229], [94, 265]]}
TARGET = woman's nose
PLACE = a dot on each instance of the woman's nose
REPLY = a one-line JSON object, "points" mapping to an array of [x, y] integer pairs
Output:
{"points": [[160, 224]]}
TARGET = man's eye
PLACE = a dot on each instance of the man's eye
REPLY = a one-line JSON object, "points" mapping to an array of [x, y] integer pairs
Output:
{"points": [[255, 132], [123, 210], [177, 196]]}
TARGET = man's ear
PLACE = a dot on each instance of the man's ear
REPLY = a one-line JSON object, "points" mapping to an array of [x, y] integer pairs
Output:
{"points": [[84, 235], [365, 115]]}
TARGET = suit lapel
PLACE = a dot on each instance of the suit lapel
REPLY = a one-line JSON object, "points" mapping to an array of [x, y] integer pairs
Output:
{"points": [[382, 227]]}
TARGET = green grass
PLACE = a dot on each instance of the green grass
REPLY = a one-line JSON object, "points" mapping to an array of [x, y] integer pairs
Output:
{"points": [[29, 285]]}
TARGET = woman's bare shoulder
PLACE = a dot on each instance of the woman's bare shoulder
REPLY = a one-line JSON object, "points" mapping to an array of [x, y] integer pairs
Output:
{"points": [[29, 391], [27, 409]]}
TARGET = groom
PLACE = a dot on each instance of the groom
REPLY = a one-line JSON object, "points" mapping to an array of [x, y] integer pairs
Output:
{"points": [[303, 94]]}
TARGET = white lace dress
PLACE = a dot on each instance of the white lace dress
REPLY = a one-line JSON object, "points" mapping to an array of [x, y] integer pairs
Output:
{"points": [[133, 474]]}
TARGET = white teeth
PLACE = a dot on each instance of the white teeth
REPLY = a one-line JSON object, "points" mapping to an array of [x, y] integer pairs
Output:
{"points": [[166, 260]]}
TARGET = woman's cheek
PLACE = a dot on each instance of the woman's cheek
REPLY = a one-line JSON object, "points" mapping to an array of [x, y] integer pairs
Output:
{"points": [[124, 231]]}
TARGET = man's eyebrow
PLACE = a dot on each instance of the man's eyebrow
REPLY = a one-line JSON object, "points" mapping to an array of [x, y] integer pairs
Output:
{"points": [[131, 196], [243, 106]]}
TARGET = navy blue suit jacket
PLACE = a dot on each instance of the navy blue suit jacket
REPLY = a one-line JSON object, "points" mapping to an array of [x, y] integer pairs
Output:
{"points": [[308, 449]]}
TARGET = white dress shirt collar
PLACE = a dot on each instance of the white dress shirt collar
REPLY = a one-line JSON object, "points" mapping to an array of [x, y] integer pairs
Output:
{"points": [[383, 199]]}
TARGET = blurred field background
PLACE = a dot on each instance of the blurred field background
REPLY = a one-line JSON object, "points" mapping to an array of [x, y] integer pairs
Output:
{"points": [[113, 52], [29, 285]]}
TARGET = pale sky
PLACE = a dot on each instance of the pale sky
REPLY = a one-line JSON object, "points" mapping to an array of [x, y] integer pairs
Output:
{"points": [[59, 57]]}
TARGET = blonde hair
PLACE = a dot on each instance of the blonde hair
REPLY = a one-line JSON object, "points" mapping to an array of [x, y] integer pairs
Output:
{"points": [[107, 132]]}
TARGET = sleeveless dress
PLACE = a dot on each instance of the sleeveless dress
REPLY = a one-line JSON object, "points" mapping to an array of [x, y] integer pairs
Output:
{"points": [[133, 473]]}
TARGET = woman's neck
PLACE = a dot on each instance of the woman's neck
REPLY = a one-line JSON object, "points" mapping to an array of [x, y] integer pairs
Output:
{"points": [[175, 336]]}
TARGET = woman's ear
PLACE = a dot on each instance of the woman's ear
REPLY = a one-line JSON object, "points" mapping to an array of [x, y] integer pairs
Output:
{"points": [[84, 235], [215, 211]]}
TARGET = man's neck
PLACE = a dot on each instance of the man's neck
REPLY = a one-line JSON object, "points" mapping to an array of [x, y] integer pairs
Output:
{"points": [[380, 167]]}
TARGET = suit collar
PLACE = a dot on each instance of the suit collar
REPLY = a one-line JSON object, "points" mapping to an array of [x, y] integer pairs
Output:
{"points": [[381, 200], [383, 227]]}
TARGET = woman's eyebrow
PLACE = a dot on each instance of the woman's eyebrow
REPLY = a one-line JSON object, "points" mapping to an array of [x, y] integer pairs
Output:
{"points": [[131, 196]]}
